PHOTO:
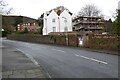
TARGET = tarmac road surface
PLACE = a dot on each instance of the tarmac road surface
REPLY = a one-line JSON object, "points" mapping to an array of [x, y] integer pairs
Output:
{"points": [[67, 62]]}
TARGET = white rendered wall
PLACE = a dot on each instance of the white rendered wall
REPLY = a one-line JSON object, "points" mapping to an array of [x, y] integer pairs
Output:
{"points": [[68, 24], [51, 24], [45, 24]]}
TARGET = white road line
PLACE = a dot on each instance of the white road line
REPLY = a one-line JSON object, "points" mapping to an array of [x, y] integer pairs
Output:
{"points": [[30, 57], [59, 50], [49, 75], [103, 62], [76, 55]]}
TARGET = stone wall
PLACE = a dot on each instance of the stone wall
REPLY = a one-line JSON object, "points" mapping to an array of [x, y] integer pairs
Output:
{"points": [[59, 40], [106, 42]]}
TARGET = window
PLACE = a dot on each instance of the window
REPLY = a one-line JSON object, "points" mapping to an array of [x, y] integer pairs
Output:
{"points": [[53, 20], [28, 24], [85, 19], [18, 25], [65, 21], [78, 20], [54, 29], [65, 29], [34, 24]]}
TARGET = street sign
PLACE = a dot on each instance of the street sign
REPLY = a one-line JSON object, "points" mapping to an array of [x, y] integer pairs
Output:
{"points": [[80, 41]]}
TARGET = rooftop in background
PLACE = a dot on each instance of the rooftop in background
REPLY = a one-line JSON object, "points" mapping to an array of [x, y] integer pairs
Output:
{"points": [[88, 17]]}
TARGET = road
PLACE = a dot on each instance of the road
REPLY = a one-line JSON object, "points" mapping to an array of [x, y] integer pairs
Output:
{"points": [[67, 62], [0, 58]]}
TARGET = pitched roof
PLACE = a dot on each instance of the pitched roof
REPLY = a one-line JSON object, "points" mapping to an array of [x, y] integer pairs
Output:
{"points": [[59, 10]]}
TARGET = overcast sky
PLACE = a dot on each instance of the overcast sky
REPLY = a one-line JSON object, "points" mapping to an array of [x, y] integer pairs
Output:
{"points": [[34, 8]]}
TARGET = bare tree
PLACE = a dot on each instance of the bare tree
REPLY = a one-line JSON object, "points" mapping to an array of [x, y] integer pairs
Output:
{"points": [[90, 10], [4, 9], [9, 11]]}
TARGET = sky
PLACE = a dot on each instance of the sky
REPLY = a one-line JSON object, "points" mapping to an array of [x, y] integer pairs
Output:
{"points": [[34, 8]]}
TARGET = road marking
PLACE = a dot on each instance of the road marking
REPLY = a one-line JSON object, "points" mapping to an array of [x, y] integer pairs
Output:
{"points": [[103, 62], [59, 50], [49, 75], [30, 57], [76, 55]]}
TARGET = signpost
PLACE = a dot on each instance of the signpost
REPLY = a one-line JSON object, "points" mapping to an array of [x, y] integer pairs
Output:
{"points": [[66, 30], [80, 41]]}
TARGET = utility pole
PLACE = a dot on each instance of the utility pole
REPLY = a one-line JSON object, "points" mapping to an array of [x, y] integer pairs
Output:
{"points": [[66, 29], [46, 25]]}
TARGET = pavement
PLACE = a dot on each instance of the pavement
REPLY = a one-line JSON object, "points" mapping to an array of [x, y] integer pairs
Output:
{"points": [[16, 64], [68, 62]]}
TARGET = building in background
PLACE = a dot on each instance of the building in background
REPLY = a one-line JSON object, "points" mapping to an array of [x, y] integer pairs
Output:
{"points": [[32, 27], [10, 22], [87, 24], [108, 26], [57, 20]]}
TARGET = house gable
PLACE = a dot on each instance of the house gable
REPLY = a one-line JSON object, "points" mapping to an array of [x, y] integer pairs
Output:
{"points": [[58, 11], [65, 21], [65, 13], [53, 13]]}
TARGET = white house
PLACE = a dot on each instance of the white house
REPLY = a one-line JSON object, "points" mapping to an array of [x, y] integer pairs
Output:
{"points": [[57, 20]]}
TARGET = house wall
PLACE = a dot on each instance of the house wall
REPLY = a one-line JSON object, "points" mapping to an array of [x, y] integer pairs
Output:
{"points": [[68, 24], [32, 27], [45, 24], [52, 24]]}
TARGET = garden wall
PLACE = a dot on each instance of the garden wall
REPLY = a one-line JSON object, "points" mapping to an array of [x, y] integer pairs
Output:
{"points": [[59, 39], [95, 41], [106, 42]]}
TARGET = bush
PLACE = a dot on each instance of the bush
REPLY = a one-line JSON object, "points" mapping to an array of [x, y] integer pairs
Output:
{"points": [[4, 33]]}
